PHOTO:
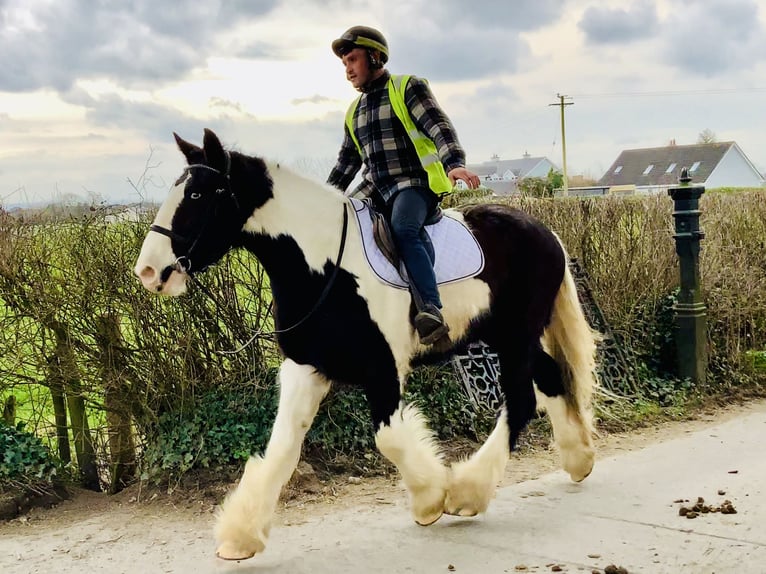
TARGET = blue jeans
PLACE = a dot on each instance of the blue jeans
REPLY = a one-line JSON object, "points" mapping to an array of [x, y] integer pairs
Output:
{"points": [[408, 210]]}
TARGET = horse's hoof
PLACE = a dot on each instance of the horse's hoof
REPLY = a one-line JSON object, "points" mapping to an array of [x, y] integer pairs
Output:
{"points": [[470, 492], [230, 551], [579, 465], [429, 520], [428, 505], [467, 507], [462, 512], [581, 476]]}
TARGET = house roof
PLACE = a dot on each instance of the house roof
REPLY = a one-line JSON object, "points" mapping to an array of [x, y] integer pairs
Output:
{"points": [[631, 165], [519, 167], [483, 169]]}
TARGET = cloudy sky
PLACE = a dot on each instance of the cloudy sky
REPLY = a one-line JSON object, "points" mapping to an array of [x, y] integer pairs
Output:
{"points": [[91, 90]]}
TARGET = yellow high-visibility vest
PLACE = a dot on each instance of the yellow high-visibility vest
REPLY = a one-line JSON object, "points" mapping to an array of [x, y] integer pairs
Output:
{"points": [[438, 181]]}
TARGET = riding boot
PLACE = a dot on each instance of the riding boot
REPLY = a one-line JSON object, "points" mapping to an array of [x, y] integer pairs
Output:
{"points": [[429, 322], [410, 208], [430, 325]]}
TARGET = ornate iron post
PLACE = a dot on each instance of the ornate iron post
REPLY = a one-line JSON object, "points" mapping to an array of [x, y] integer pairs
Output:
{"points": [[690, 311]]}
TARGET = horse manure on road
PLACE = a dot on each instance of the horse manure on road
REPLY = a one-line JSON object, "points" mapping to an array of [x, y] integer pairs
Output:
{"points": [[699, 507]]}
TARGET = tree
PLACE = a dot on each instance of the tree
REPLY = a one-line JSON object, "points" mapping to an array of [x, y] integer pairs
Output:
{"points": [[542, 187], [706, 136]]}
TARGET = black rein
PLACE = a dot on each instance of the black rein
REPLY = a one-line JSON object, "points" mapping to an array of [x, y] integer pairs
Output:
{"points": [[183, 265]]}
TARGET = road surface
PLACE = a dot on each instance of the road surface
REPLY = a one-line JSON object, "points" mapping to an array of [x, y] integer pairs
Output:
{"points": [[625, 514]]}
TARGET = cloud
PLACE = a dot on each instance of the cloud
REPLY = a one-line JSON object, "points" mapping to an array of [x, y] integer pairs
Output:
{"points": [[713, 37], [258, 50], [619, 26], [460, 55], [154, 121], [494, 65], [51, 45], [705, 38], [495, 14], [226, 104], [234, 11], [315, 99], [77, 96], [144, 43], [122, 134], [459, 42]]}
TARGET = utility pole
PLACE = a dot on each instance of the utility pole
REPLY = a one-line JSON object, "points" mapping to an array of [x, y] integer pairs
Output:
{"points": [[561, 103]]}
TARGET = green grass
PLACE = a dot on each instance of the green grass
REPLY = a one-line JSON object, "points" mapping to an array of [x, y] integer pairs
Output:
{"points": [[756, 360]]}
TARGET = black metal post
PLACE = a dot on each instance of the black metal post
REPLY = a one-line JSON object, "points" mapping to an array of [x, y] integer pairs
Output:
{"points": [[690, 311]]}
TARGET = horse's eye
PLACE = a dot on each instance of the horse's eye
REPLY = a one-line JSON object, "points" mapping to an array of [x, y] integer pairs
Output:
{"points": [[195, 195]]}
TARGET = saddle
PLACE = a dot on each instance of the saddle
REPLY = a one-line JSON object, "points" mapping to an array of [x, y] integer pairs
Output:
{"points": [[454, 251], [385, 240]]}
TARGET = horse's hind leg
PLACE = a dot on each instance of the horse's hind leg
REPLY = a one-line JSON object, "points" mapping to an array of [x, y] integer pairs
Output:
{"points": [[244, 520], [404, 438], [572, 431], [565, 373], [474, 480]]}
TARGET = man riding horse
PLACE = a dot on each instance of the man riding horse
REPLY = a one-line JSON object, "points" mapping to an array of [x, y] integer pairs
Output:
{"points": [[411, 158]]}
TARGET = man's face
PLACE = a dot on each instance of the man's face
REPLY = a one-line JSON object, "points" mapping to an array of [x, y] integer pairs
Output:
{"points": [[357, 67]]}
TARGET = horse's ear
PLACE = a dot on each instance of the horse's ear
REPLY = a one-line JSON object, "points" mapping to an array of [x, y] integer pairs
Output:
{"points": [[214, 153], [188, 149]]}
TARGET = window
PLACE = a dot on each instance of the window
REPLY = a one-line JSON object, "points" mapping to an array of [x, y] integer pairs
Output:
{"points": [[671, 167], [618, 169], [648, 169], [694, 166]]}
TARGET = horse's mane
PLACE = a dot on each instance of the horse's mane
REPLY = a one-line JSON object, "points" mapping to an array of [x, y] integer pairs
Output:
{"points": [[290, 181], [300, 206]]}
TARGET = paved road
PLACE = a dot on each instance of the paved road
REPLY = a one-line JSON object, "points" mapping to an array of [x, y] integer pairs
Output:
{"points": [[623, 514]]}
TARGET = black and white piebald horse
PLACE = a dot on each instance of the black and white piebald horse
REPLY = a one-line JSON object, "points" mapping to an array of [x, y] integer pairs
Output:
{"points": [[337, 322]]}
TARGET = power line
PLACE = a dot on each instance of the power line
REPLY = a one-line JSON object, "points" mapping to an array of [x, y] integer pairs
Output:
{"points": [[710, 92]]}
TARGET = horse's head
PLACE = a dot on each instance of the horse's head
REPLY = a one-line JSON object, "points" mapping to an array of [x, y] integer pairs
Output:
{"points": [[203, 216]]}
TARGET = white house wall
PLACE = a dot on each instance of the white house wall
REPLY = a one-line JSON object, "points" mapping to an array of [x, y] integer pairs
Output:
{"points": [[733, 171]]}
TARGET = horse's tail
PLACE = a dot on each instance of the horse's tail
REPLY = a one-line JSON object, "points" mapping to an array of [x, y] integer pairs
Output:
{"points": [[570, 340]]}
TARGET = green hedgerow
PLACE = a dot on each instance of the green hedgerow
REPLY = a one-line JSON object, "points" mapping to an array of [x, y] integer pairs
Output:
{"points": [[24, 458], [226, 426]]}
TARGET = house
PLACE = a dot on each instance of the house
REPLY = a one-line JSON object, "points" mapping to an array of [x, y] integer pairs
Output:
{"points": [[501, 176], [721, 164]]}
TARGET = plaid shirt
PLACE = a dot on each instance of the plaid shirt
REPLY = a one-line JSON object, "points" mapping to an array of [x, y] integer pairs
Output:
{"points": [[389, 157]]}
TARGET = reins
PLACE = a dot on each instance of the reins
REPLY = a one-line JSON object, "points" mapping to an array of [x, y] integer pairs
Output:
{"points": [[183, 263], [322, 296]]}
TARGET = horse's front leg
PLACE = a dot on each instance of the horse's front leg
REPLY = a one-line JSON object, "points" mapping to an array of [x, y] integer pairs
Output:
{"points": [[244, 519], [404, 438]]}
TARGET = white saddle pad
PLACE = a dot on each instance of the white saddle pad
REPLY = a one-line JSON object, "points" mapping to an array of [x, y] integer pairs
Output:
{"points": [[458, 254]]}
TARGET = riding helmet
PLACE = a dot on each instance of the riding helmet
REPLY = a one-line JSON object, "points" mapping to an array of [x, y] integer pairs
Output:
{"points": [[361, 37]]}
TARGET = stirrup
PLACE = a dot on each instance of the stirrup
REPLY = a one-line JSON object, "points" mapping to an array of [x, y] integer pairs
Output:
{"points": [[430, 325], [441, 332]]}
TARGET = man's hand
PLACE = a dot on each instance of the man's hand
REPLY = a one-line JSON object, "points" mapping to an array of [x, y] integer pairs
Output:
{"points": [[462, 174]]}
